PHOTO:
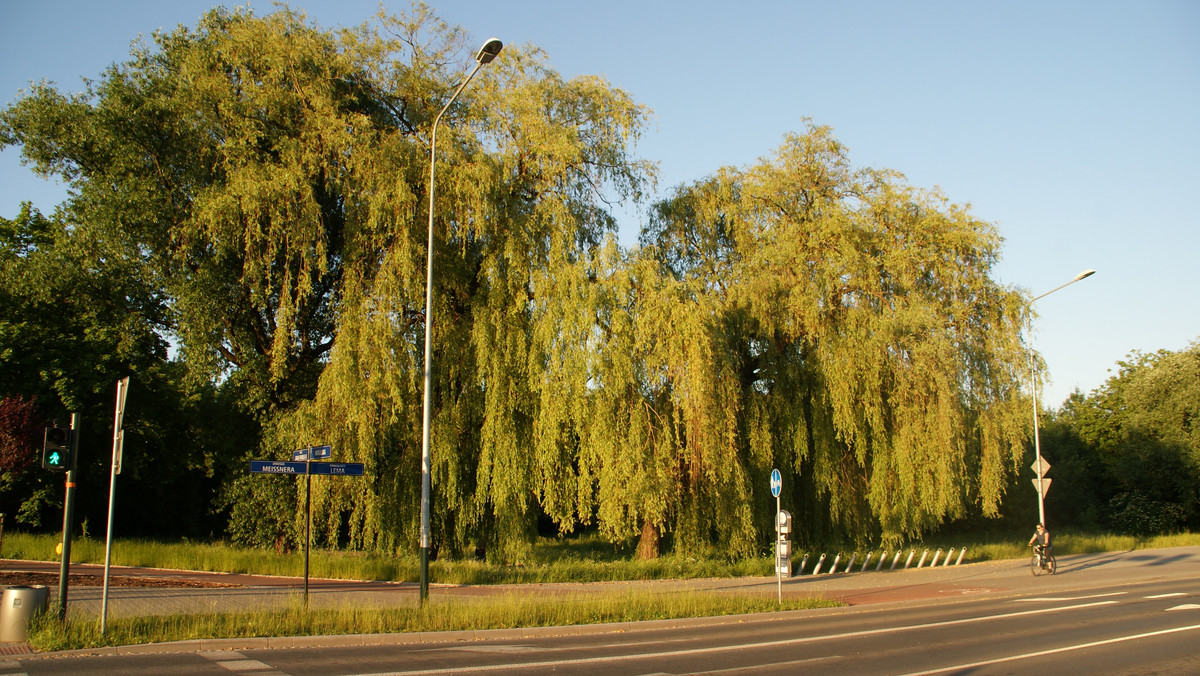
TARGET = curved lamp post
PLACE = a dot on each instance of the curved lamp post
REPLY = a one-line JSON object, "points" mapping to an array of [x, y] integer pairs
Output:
{"points": [[1037, 445], [486, 53]]}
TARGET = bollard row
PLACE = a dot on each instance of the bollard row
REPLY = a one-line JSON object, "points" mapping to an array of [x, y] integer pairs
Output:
{"points": [[819, 566]]}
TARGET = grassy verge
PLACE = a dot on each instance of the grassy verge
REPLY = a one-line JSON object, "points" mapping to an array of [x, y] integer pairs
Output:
{"points": [[551, 560], [508, 611], [585, 559]]}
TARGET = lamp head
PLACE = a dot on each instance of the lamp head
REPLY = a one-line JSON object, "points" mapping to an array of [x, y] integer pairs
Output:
{"points": [[489, 50], [1086, 273]]}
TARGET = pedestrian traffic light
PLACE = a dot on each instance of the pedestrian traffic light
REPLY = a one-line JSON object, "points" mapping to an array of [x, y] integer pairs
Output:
{"points": [[56, 452]]}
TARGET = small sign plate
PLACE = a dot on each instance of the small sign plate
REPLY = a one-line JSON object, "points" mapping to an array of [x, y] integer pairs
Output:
{"points": [[276, 467], [337, 468]]}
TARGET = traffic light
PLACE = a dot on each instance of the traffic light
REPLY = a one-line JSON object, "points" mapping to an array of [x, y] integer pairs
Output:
{"points": [[56, 452]]}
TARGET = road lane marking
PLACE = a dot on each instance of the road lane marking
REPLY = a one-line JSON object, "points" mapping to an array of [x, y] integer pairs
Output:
{"points": [[732, 648], [1054, 651], [1186, 606], [237, 662], [1167, 596], [1068, 598]]}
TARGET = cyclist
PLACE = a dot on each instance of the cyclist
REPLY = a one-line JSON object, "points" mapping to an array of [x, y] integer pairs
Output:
{"points": [[1041, 537]]}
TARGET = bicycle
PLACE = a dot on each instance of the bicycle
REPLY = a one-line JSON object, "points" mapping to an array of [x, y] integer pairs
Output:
{"points": [[1042, 561]]}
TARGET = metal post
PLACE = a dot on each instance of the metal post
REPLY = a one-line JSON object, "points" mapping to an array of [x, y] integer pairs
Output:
{"points": [[1037, 442], [118, 447], [307, 518], [486, 53], [778, 545], [64, 570]]}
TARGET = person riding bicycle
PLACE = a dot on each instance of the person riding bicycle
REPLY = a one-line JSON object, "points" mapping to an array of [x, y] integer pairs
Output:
{"points": [[1041, 537]]}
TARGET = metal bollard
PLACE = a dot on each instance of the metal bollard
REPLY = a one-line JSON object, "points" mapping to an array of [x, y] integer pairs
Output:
{"points": [[911, 552], [820, 562], [960, 555], [851, 564], [803, 563], [937, 555], [882, 556], [948, 553], [922, 561], [836, 560], [867, 562], [897, 559]]}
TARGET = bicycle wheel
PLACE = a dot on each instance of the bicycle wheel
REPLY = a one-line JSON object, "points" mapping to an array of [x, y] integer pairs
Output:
{"points": [[1035, 564], [1051, 564]]}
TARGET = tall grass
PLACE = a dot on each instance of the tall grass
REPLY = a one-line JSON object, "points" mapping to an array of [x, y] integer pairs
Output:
{"points": [[550, 561], [584, 559], [500, 612]]}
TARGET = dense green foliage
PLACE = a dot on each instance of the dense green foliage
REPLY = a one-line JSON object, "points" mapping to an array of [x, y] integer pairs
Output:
{"points": [[74, 318], [1127, 456], [253, 192]]}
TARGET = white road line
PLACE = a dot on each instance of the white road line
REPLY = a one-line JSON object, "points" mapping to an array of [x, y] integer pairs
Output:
{"points": [[733, 648], [1167, 596], [1054, 651], [237, 662], [1067, 598], [1186, 606], [244, 665]]}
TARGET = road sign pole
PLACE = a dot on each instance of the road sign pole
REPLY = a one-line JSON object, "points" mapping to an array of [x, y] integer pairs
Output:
{"points": [[778, 543], [118, 451], [307, 522], [64, 570]]}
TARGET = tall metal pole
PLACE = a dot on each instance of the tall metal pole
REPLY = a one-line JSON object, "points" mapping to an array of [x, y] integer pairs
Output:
{"points": [[1037, 443], [486, 53], [64, 570], [118, 444]]}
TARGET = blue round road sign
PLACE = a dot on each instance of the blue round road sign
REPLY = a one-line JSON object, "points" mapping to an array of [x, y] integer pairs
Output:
{"points": [[776, 483]]}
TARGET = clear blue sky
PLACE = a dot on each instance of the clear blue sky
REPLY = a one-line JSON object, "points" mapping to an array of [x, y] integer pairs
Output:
{"points": [[1073, 126]]}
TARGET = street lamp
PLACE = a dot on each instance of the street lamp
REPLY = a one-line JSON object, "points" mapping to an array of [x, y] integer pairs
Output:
{"points": [[1037, 445], [486, 53]]}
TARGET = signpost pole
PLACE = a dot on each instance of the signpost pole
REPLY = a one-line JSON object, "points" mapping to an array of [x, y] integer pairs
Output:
{"points": [[307, 517], [778, 543], [64, 571], [776, 489], [118, 449]]}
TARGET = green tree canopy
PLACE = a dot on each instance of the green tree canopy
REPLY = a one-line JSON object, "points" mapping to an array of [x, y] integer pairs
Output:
{"points": [[265, 181]]}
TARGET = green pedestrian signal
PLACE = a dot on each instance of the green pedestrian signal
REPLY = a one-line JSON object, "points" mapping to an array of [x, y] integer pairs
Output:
{"points": [[56, 452]]}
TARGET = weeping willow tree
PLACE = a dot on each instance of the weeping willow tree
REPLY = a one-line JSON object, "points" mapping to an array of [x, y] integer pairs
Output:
{"points": [[270, 179], [844, 327], [527, 164]]}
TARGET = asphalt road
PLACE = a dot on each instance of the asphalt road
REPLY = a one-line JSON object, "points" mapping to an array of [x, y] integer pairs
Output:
{"points": [[1120, 613]]}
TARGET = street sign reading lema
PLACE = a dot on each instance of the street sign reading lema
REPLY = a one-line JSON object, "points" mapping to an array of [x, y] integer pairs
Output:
{"points": [[337, 468]]}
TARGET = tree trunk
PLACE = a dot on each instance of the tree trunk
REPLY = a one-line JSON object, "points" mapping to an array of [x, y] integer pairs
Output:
{"points": [[649, 542]]}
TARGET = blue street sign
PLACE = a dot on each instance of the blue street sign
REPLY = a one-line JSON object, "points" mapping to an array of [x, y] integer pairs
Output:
{"points": [[337, 468], [322, 452], [776, 483], [300, 456], [276, 467]]}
